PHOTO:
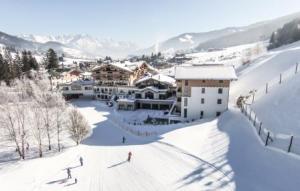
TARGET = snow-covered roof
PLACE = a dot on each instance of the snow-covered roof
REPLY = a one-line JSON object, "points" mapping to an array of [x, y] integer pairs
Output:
{"points": [[86, 74], [207, 72], [116, 64], [80, 82], [158, 77], [154, 89]]}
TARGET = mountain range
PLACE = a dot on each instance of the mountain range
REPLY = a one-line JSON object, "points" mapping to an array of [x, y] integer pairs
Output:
{"points": [[86, 46], [232, 36]]}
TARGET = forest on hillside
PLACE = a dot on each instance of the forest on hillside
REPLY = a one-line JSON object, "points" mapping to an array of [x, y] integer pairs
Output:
{"points": [[289, 33]]}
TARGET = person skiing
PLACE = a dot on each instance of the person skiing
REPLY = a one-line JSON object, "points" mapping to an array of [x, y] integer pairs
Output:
{"points": [[81, 161], [123, 139], [129, 156], [75, 180], [69, 173]]}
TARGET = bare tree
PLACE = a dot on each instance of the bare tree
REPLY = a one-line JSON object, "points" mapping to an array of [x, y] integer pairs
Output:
{"points": [[37, 127], [77, 126], [60, 117]]}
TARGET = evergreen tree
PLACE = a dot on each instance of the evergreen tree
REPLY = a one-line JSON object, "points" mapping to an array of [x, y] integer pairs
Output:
{"points": [[51, 60], [25, 62], [7, 61], [2, 68], [17, 66], [32, 61]]}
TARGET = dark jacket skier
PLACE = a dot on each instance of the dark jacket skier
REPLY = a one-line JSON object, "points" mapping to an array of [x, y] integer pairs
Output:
{"points": [[69, 173], [81, 161], [129, 156], [123, 139]]}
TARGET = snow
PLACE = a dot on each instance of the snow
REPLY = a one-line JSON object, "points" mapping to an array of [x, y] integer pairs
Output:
{"points": [[213, 154], [229, 56], [265, 69], [283, 100], [116, 64], [221, 154], [206, 72], [158, 77]]}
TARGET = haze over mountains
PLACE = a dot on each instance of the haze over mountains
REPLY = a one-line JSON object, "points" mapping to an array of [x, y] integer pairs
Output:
{"points": [[83, 45], [223, 38]]}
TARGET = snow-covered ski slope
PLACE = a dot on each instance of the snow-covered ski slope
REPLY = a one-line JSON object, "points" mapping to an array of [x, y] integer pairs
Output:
{"points": [[222, 154], [265, 69], [279, 109]]}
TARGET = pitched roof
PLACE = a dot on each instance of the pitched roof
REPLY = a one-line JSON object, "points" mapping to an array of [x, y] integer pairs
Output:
{"points": [[118, 65], [206, 72], [158, 77]]}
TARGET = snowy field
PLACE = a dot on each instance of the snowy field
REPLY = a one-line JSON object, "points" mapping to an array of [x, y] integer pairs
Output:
{"points": [[278, 110], [229, 56], [221, 154]]}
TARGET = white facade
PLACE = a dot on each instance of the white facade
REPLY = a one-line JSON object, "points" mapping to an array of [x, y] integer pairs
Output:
{"points": [[106, 92], [84, 88], [205, 103]]}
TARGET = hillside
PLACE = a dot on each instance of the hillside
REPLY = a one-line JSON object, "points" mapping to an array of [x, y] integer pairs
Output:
{"points": [[187, 41], [249, 34], [223, 38]]}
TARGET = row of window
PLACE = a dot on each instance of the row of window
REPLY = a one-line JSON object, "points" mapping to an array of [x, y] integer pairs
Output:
{"points": [[186, 82], [218, 113], [185, 101], [220, 90], [77, 88]]}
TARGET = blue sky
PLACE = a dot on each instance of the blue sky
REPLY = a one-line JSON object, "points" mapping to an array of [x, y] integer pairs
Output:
{"points": [[141, 21]]}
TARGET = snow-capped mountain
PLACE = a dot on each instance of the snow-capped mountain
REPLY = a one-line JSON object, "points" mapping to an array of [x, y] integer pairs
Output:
{"points": [[187, 41], [88, 45], [218, 39]]}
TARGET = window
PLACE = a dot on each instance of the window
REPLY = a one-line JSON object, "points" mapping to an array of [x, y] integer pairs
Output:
{"points": [[221, 81], [220, 90], [185, 113], [162, 96], [149, 95], [203, 81], [88, 88], [203, 90], [179, 99], [219, 101], [138, 96], [218, 113], [201, 114], [202, 100], [66, 88], [185, 102], [186, 82]]}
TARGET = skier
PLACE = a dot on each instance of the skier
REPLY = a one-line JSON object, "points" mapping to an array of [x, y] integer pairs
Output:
{"points": [[75, 180], [129, 156], [123, 140], [69, 173], [81, 161]]}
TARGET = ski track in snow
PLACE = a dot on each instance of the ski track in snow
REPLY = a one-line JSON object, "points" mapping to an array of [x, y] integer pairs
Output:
{"points": [[154, 166]]}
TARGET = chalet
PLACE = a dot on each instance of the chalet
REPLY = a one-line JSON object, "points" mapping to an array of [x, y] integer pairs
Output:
{"points": [[151, 92], [118, 79], [112, 74], [203, 90]]}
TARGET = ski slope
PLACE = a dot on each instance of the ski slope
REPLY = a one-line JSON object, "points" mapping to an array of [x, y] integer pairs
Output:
{"points": [[265, 69], [222, 154], [279, 109]]}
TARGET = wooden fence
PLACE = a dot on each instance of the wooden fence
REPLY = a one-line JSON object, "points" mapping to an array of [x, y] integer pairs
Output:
{"points": [[289, 143]]}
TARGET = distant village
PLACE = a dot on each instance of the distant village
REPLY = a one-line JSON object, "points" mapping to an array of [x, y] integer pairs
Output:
{"points": [[183, 91]]}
